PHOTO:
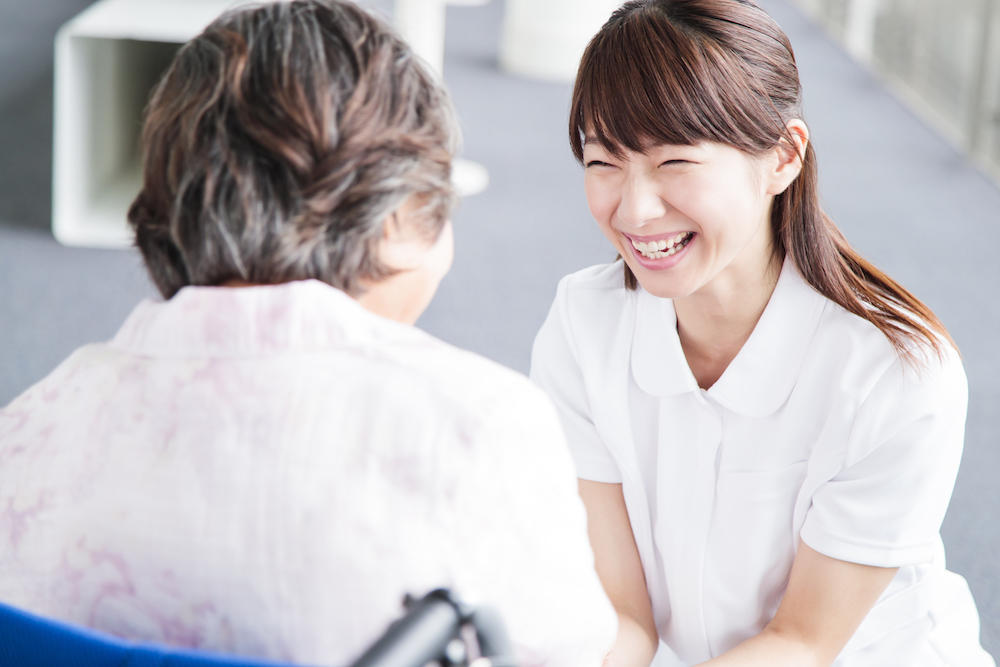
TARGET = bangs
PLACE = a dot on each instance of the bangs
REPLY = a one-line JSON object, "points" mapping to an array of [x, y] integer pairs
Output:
{"points": [[645, 81]]}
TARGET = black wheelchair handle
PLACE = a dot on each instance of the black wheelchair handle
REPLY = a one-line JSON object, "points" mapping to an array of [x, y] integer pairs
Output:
{"points": [[430, 624]]}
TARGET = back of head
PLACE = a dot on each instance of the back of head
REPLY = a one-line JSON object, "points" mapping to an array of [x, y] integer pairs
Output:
{"points": [[277, 143]]}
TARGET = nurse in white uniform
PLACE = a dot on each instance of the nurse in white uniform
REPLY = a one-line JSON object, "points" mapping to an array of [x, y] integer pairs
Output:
{"points": [[766, 427]]}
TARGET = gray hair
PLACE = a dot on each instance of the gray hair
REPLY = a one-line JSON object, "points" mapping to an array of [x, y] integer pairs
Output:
{"points": [[277, 143]]}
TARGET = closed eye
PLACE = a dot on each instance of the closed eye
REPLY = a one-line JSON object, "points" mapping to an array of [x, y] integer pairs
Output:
{"points": [[671, 162], [597, 163]]}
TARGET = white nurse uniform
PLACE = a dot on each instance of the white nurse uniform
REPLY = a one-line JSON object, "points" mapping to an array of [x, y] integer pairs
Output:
{"points": [[817, 430]]}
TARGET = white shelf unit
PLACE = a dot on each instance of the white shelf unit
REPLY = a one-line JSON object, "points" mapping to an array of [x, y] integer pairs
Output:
{"points": [[107, 60]]}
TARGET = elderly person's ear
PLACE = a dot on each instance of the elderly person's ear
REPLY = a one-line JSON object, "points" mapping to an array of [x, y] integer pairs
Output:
{"points": [[418, 264], [405, 245]]}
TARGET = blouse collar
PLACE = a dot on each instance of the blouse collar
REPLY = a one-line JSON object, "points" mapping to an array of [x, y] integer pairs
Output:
{"points": [[301, 316], [761, 377]]}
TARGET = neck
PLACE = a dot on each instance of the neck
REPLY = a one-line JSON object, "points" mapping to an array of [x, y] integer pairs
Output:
{"points": [[393, 298], [715, 322]]}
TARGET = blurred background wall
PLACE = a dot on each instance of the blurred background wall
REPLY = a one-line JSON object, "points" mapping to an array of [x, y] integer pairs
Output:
{"points": [[903, 120], [942, 58], [27, 30]]}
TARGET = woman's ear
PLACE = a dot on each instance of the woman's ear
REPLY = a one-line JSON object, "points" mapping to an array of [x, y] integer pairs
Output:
{"points": [[789, 158]]}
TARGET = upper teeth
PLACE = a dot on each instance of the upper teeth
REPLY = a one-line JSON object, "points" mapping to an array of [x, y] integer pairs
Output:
{"points": [[655, 249]]}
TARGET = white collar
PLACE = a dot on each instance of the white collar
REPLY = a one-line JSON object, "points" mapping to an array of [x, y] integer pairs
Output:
{"points": [[306, 315], [763, 374]]}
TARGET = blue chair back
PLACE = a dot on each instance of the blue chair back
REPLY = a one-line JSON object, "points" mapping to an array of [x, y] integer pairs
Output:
{"points": [[27, 640], [422, 635]]}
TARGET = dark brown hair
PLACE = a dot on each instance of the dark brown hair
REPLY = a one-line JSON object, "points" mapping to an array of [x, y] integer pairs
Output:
{"points": [[277, 143], [686, 71]]}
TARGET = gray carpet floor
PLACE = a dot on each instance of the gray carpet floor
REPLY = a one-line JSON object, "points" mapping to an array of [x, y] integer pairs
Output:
{"points": [[902, 195]]}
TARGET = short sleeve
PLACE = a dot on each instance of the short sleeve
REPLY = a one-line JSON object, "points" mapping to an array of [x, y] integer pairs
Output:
{"points": [[522, 536], [886, 505], [555, 367]]}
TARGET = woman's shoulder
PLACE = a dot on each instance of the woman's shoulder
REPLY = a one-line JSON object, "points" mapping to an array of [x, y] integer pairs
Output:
{"points": [[595, 279], [859, 349], [591, 296], [590, 326]]}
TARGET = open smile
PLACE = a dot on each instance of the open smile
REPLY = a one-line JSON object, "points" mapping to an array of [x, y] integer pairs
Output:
{"points": [[661, 248], [661, 252]]}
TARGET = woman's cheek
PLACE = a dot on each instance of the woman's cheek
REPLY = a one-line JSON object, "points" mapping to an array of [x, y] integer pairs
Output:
{"points": [[601, 203]]}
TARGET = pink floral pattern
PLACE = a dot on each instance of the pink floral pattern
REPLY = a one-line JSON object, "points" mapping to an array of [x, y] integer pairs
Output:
{"points": [[268, 470]]}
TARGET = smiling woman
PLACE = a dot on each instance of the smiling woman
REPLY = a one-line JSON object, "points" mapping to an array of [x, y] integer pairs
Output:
{"points": [[627, 105], [766, 427]]}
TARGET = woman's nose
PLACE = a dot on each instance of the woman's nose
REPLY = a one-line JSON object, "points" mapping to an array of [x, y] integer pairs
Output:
{"points": [[640, 202]]}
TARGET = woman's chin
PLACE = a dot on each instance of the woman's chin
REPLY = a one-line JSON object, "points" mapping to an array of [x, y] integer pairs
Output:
{"points": [[661, 284], [662, 291]]}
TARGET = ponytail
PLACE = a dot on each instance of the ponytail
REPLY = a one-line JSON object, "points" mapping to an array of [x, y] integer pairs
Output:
{"points": [[834, 269]]}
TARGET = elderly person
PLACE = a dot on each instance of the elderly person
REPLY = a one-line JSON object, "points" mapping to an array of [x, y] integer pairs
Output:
{"points": [[267, 460]]}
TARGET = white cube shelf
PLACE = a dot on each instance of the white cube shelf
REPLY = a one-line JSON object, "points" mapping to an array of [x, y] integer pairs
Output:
{"points": [[544, 40], [107, 60]]}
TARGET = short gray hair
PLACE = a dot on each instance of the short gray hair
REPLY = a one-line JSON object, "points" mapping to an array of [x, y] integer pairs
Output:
{"points": [[277, 143]]}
